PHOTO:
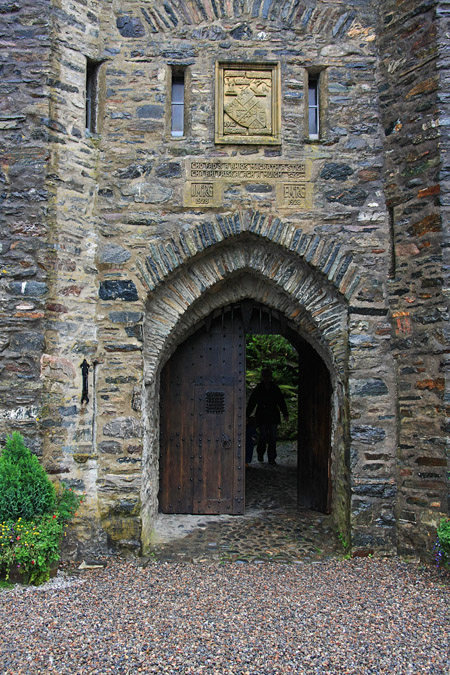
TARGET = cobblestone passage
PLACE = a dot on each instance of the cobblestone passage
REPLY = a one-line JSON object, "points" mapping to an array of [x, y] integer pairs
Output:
{"points": [[273, 528]]}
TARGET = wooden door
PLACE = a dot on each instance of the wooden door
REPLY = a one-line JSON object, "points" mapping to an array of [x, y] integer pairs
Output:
{"points": [[314, 421], [202, 422]]}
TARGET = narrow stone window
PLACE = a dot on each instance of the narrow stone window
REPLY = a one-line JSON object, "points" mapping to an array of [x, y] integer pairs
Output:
{"points": [[178, 103], [92, 73], [316, 104], [313, 106]]}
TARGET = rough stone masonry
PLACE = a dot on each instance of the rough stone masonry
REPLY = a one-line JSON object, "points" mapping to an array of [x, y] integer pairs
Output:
{"points": [[118, 240]]}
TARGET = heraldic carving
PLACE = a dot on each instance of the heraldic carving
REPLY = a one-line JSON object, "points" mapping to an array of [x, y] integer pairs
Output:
{"points": [[247, 103]]}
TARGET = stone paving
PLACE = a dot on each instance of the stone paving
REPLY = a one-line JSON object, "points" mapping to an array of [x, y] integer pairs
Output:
{"points": [[273, 528]]}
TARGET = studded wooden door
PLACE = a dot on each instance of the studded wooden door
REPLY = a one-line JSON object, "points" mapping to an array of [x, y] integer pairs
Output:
{"points": [[202, 418], [314, 426]]}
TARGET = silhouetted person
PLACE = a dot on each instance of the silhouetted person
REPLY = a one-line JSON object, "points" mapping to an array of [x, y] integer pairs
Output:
{"points": [[269, 401], [251, 434]]}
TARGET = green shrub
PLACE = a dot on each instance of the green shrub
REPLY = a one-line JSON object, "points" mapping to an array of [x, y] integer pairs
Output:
{"points": [[25, 490], [442, 545], [67, 502], [33, 514], [30, 547]]}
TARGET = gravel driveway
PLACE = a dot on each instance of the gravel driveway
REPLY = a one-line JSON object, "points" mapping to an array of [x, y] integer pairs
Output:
{"points": [[350, 616]]}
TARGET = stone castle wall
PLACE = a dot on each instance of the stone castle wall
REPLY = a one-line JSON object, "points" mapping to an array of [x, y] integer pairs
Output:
{"points": [[409, 85], [134, 265], [25, 258], [443, 39]]}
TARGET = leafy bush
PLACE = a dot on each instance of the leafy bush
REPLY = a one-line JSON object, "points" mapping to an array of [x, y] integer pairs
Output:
{"points": [[442, 545], [67, 502], [30, 547], [25, 489], [33, 514]]}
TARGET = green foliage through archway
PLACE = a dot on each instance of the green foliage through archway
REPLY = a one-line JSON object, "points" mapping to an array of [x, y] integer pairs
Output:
{"points": [[277, 353]]}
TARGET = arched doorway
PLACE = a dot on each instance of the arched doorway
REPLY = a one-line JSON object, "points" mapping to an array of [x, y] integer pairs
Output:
{"points": [[203, 416]]}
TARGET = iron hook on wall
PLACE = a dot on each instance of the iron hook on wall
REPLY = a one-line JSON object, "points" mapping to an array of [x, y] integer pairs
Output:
{"points": [[85, 373]]}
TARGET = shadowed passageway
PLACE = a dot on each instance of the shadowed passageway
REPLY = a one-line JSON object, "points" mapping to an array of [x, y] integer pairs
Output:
{"points": [[273, 528]]}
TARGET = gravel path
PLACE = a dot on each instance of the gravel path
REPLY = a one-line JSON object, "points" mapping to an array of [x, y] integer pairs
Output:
{"points": [[352, 616]]}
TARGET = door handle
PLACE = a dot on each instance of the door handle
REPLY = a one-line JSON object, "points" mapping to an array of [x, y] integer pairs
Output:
{"points": [[226, 442]]}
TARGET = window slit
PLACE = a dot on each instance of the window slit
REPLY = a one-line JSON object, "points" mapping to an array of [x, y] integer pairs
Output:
{"points": [[92, 69], [313, 107], [177, 124]]}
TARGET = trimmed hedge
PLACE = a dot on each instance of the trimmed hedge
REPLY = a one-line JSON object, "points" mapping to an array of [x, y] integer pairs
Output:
{"points": [[25, 489]]}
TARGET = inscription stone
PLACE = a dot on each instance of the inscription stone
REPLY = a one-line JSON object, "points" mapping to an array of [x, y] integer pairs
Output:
{"points": [[294, 195], [206, 181], [199, 193], [242, 169]]}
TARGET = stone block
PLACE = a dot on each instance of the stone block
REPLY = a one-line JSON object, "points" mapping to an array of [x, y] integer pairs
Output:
{"points": [[68, 411], [355, 196], [336, 171], [155, 112], [168, 170], [148, 193], [130, 26], [28, 288], [368, 387], [259, 188], [123, 427], [125, 317], [133, 171], [113, 254], [382, 489], [118, 290], [367, 434], [110, 447], [28, 342], [242, 32]]}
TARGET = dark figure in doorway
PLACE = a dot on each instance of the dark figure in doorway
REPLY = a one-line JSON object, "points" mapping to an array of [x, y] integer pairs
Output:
{"points": [[251, 435], [269, 401]]}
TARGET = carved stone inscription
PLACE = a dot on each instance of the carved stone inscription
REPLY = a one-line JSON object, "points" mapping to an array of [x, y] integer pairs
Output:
{"points": [[294, 195], [202, 193], [241, 169], [206, 180], [247, 103]]}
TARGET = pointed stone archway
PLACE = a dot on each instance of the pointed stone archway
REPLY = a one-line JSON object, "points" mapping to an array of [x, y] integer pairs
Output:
{"points": [[317, 286], [320, 318]]}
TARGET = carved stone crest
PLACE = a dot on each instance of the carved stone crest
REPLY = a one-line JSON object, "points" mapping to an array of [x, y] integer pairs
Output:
{"points": [[248, 103]]}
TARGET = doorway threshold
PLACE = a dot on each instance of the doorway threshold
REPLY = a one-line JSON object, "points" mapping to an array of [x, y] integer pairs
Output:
{"points": [[273, 528]]}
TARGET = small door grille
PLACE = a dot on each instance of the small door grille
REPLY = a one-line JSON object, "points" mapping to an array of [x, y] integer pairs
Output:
{"points": [[215, 402]]}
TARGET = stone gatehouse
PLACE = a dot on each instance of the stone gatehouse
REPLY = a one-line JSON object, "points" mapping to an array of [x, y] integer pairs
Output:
{"points": [[169, 164]]}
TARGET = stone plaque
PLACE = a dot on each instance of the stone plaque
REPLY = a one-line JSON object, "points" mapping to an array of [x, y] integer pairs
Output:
{"points": [[248, 103], [294, 195], [202, 193], [207, 179], [241, 169]]}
